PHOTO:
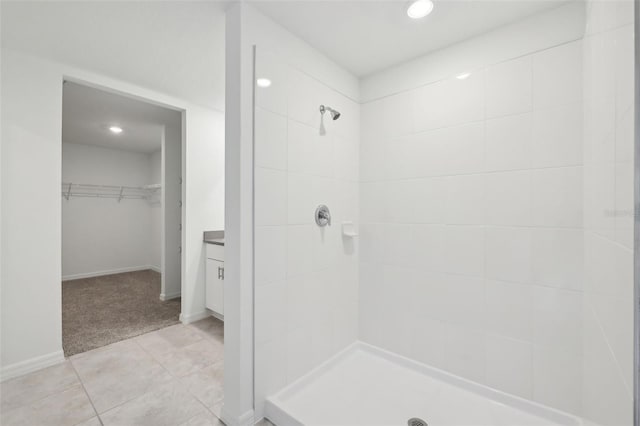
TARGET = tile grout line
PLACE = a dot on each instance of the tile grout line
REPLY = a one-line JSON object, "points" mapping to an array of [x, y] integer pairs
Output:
{"points": [[203, 337], [85, 392]]}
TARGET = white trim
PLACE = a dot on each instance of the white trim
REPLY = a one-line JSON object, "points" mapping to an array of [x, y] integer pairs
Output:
{"points": [[189, 318], [246, 419], [109, 272], [155, 268], [275, 406], [30, 365], [165, 297]]}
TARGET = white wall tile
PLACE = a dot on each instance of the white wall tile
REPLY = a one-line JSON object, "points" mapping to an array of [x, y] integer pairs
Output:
{"points": [[464, 352], [274, 97], [300, 203], [415, 200], [417, 246], [557, 136], [557, 258], [465, 202], [509, 365], [508, 143], [508, 198], [270, 140], [427, 342], [449, 102], [464, 250], [304, 96], [557, 378], [416, 156], [299, 355], [624, 181], [557, 75], [373, 139], [299, 249], [397, 119], [509, 88], [508, 254], [470, 200], [557, 197], [557, 319], [308, 151], [270, 311], [271, 244], [463, 148], [270, 196], [462, 300], [509, 309]]}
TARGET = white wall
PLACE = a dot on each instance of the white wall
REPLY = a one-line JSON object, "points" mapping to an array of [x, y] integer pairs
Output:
{"points": [[102, 235], [306, 277], [245, 28], [607, 389], [471, 220], [172, 190], [155, 239], [31, 216]]}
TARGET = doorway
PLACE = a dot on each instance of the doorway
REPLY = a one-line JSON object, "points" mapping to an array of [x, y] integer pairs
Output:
{"points": [[121, 217]]}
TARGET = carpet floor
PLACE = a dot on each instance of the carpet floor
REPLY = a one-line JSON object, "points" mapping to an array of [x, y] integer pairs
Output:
{"points": [[103, 310]]}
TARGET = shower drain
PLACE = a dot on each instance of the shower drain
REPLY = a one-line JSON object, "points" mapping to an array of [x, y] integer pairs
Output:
{"points": [[416, 422]]}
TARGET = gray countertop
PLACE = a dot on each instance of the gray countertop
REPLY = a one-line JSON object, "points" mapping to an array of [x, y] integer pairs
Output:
{"points": [[214, 237]]}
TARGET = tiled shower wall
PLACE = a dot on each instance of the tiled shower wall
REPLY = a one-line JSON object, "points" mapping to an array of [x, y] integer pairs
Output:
{"points": [[471, 225], [608, 207], [306, 277]]}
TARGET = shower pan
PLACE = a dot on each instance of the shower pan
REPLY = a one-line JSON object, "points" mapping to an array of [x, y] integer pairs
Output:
{"points": [[490, 280]]}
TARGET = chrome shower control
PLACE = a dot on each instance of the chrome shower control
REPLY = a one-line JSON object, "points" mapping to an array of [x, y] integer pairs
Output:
{"points": [[323, 216]]}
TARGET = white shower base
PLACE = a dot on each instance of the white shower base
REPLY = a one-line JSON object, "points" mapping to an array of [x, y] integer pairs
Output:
{"points": [[364, 385]]}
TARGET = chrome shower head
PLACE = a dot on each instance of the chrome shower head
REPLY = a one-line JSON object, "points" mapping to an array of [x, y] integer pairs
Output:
{"points": [[334, 114]]}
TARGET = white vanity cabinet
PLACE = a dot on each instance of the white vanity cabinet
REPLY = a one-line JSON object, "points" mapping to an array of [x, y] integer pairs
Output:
{"points": [[214, 273]]}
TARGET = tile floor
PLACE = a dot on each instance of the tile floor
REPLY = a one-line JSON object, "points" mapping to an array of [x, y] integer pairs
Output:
{"points": [[171, 377]]}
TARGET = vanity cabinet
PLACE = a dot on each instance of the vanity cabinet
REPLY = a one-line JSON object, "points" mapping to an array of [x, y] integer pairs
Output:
{"points": [[214, 272]]}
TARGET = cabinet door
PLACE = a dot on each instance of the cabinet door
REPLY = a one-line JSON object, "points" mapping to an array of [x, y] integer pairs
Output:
{"points": [[215, 286]]}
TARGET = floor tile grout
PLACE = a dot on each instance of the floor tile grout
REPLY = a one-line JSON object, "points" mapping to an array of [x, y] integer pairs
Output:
{"points": [[208, 333], [84, 389]]}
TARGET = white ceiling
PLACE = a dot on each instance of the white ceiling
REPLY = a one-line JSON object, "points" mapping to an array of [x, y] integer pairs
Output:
{"points": [[174, 47], [368, 36], [177, 47], [87, 114]]}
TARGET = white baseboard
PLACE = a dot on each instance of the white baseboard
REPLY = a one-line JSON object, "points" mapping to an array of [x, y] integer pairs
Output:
{"points": [[165, 297], [155, 268], [189, 318], [244, 420], [30, 365], [103, 273]]}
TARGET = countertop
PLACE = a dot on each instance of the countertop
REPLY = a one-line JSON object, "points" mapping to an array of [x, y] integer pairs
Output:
{"points": [[214, 237]]}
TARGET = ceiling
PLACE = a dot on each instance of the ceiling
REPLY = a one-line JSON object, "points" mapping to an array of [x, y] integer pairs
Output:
{"points": [[174, 47], [368, 36], [87, 114], [177, 47]]}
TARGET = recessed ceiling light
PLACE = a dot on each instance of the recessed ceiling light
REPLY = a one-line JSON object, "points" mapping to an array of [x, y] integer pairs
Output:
{"points": [[463, 75], [419, 9], [115, 129], [263, 82]]}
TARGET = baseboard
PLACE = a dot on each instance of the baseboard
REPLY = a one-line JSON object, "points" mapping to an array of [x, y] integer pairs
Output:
{"points": [[244, 420], [165, 297], [189, 318], [155, 268], [103, 273], [30, 365]]}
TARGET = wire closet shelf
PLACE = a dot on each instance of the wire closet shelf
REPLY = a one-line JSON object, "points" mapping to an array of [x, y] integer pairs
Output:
{"points": [[84, 190]]}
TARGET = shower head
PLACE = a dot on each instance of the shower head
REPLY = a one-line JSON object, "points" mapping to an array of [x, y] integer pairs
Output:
{"points": [[334, 114]]}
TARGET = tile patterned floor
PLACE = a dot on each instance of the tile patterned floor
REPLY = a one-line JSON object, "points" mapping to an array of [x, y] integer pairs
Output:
{"points": [[170, 377]]}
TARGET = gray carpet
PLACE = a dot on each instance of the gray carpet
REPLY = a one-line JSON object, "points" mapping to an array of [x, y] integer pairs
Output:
{"points": [[103, 310]]}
